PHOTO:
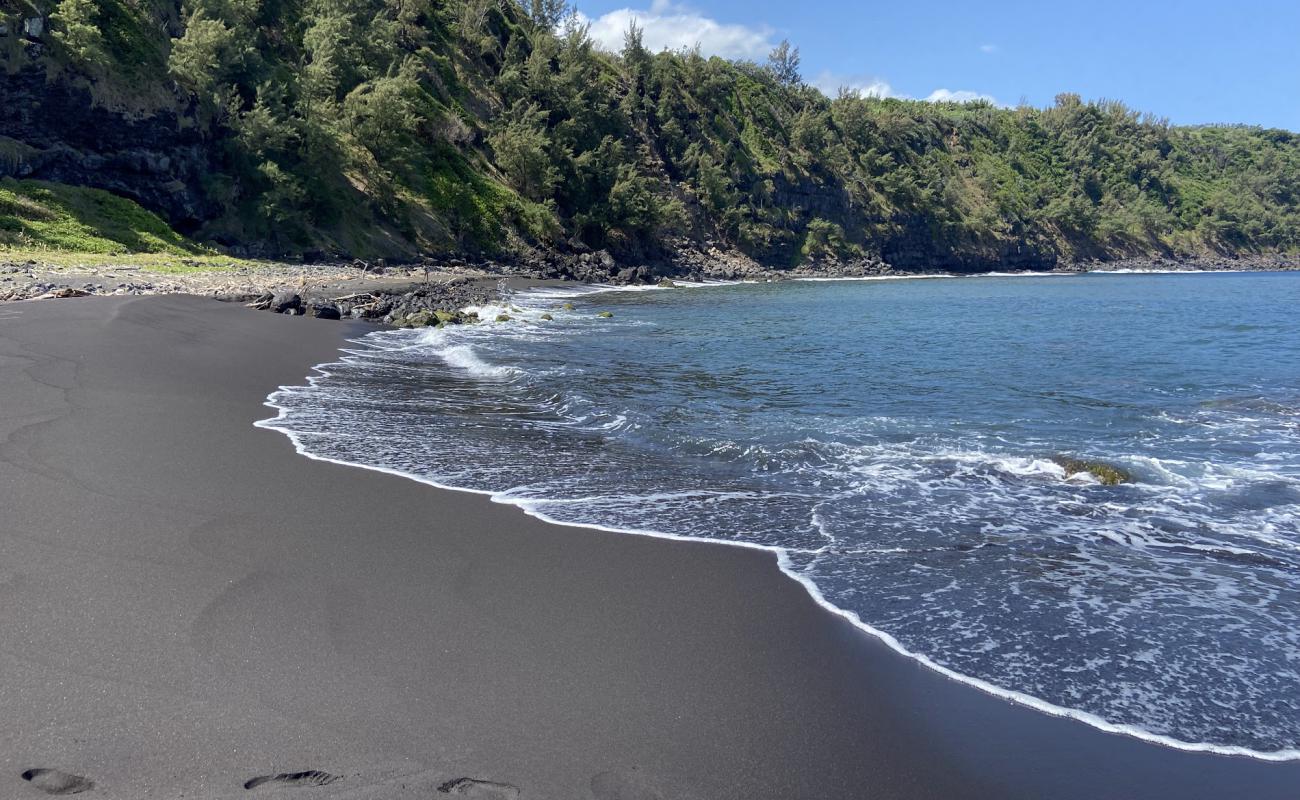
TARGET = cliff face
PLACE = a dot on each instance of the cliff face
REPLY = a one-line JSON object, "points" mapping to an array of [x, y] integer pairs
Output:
{"points": [[57, 133], [388, 128]]}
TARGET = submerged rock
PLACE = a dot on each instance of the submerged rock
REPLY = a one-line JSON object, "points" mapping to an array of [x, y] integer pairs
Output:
{"points": [[546, 318], [606, 315], [567, 307], [1107, 474], [503, 317]]}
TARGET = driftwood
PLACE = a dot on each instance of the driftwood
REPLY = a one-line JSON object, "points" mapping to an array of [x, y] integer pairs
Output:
{"points": [[355, 296]]}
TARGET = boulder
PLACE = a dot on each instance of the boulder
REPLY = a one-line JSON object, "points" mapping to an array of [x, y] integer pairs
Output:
{"points": [[421, 319], [34, 27], [326, 311], [503, 317], [286, 303], [546, 318], [666, 283], [1106, 474]]}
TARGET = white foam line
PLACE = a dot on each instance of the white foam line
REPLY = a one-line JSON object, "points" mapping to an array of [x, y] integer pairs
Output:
{"points": [[937, 276], [1175, 271], [787, 568], [553, 293]]}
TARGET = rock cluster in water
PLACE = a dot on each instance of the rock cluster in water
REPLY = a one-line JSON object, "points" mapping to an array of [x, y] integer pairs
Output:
{"points": [[434, 304], [1106, 474]]}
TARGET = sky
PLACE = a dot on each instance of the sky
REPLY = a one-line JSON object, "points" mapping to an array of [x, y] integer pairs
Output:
{"points": [[1194, 62]]}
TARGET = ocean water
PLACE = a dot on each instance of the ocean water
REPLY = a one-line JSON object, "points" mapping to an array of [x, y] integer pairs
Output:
{"points": [[894, 442]]}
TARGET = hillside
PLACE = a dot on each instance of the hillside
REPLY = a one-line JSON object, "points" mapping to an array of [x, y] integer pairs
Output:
{"points": [[406, 127]]}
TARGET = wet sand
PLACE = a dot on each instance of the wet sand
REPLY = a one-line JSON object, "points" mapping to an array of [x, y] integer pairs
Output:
{"points": [[187, 605]]}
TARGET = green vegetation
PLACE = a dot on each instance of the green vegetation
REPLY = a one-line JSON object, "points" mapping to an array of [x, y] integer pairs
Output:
{"points": [[397, 126], [36, 216]]}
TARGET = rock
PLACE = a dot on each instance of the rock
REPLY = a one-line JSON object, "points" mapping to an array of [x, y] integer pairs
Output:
{"points": [[4, 29], [1107, 474], [606, 315], [446, 317], [567, 307], [34, 27], [503, 317], [546, 318], [326, 311], [421, 319], [286, 303], [666, 283]]}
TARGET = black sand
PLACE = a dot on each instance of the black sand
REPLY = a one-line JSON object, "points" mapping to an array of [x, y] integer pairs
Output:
{"points": [[189, 608]]}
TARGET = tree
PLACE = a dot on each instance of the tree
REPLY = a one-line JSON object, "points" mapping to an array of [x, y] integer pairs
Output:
{"points": [[522, 150], [783, 63], [548, 14], [635, 57], [200, 58], [75, 25]]}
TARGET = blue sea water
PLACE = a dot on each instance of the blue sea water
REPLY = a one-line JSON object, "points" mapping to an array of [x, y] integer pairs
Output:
{"points": [[894, 442]]}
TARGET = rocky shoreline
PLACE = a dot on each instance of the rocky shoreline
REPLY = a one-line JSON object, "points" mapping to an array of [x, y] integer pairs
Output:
{"points": [[432, 291], [1262, 262]]}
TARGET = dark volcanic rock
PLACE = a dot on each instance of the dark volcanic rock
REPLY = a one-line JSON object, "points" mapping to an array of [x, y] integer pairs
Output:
{"points": [[325, 311], [286, 303], [152, 159]]}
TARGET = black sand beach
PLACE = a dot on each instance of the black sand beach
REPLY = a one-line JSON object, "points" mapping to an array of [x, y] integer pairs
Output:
{"points": [[186, 604]]}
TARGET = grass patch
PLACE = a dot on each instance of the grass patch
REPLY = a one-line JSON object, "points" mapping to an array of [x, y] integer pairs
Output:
{"points": [[36, 215]]}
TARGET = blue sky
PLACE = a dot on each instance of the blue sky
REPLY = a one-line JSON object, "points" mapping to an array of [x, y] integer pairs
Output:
{"points": [[1195, 61]]}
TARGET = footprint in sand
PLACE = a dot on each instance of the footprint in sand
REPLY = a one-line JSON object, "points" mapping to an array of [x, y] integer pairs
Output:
{"points": [[312, 777], [54, 781], [480, 790]]}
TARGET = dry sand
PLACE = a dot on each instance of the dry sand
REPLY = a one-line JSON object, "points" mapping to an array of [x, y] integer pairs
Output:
{"points": [[187, 605]]}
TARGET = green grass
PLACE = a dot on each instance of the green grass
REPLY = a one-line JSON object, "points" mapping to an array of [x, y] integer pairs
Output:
{"points": [[40, 216]]}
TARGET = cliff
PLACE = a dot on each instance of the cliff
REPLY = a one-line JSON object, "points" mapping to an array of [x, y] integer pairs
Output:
{"points": [[402, 128]]}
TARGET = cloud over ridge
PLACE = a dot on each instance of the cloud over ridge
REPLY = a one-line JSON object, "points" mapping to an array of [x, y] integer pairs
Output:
{"points": [[668, 25]]}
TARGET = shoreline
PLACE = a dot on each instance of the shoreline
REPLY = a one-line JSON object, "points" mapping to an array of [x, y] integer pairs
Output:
{"points": [[325, 284], [254, 612], [781, 556]]}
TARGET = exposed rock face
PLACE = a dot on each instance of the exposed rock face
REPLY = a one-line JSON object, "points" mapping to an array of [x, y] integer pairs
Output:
{"points": [[156, 160], [916, 247]]}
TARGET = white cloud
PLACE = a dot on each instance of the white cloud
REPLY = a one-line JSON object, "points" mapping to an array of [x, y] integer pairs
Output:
{"points": [[667, 25], [830, 84], [988, 49], [958, 96]]}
